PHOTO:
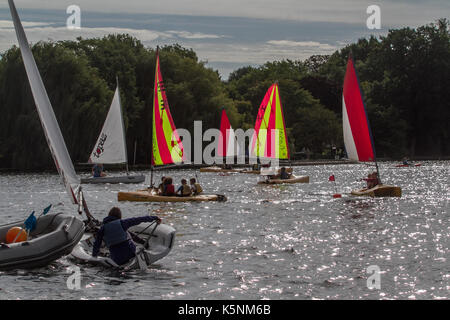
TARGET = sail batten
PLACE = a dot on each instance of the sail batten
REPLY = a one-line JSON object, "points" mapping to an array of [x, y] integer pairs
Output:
{"points": [[47, 116], [270, 137], [357, 135], [166, 144], [110, 147]]}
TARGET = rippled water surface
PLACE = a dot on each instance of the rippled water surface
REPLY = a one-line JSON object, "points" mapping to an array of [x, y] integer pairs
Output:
{"points": [[265, 242]]}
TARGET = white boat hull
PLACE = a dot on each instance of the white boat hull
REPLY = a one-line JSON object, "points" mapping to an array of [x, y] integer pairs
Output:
{"points": [[160, 244], [117, 179]]}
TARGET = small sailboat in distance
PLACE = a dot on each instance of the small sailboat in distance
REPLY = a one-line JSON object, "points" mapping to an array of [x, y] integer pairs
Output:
{"points": [[228, 147], [111, 147], [270, 137], [358, 137], [167, 148]]}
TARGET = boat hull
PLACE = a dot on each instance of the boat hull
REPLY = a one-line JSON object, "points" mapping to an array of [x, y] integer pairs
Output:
{"points": [[120, 179], [161, 241], [302, 179], [55, 236], [149, 196], [218, 169], [379, 191], [408, 165]]}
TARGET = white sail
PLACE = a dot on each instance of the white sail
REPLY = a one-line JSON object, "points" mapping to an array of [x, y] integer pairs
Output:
{"points": [[52, 132], [111, 146]]}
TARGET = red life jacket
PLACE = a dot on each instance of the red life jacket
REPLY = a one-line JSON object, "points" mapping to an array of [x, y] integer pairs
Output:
{"points": [[170, 190]]}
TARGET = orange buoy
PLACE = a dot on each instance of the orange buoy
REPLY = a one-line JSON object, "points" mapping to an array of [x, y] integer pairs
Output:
{"points": [[16, 233]]}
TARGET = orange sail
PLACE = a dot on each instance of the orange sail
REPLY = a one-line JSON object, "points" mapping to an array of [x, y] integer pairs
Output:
{"points": [[167, 146]]}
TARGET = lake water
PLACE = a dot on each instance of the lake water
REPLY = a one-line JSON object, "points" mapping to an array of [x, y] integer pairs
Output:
{"points": [[265, 242]]}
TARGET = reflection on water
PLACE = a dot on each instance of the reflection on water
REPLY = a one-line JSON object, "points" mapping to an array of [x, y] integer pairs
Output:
{"points": [[265, 242]]}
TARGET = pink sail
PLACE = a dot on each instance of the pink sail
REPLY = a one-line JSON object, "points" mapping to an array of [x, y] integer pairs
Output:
{"points": [[357, 135]]}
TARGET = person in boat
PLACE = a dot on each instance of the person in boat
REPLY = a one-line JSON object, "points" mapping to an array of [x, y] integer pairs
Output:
{"points": [[97, 171], [195, 187], [227, 166], [405, 161], [161, 186], [116, 237], [184, 190], [284, 175], [372, 180], [169, 188]]}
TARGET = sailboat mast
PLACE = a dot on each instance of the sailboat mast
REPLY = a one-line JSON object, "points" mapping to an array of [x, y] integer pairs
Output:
{"points": [[151, 119], [123, 126]]}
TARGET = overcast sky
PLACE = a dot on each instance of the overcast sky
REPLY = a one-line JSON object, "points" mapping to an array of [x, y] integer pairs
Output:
{"points": [[227, 33]]}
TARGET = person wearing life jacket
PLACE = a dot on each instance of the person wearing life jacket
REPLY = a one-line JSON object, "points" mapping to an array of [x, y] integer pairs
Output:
{"points": [[169, 188], [97, 171], [372, 180], [161, 186], [284, 175], [195, 187], [116, 237], [184, 190]]}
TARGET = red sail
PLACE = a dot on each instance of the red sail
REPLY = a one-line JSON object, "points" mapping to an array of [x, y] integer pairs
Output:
{"points": [[357, 136]]}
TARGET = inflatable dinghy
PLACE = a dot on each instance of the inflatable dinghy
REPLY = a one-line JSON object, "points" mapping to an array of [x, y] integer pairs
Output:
{"points": [[55, 235], [380, 190], [159, 241], [117, 179]]}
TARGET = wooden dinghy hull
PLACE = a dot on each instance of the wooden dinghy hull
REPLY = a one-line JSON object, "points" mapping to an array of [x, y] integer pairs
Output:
{"points": [[55, 236], [301, 179], [113, 180], [379, 191], [146, 196]]}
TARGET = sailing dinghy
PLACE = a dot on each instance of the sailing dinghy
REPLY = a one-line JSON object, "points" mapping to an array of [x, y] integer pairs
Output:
{"points": [[358, 138], [111, 147], [55, 234], [270, 137], [228, 146], [167, 147]]}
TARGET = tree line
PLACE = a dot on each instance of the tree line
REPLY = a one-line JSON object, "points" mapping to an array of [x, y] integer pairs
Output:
{"points": [[405, 77]]}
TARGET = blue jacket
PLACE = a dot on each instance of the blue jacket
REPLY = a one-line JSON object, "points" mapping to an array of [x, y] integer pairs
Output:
{"points": [[120, 253]]}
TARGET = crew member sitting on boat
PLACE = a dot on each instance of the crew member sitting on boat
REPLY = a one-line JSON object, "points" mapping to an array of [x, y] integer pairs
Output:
{"points": [[97, 171], [168, 187], [372, 180], [284, 175], [405, 161], [161, 186], [116, 237], [184, 190], [195, 187]]}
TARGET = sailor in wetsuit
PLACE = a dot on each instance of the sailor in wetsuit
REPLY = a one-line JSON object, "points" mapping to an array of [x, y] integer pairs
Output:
{"points": [[117, 238]]}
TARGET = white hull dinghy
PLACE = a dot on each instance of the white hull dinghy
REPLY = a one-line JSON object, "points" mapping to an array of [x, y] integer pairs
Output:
{"points": [[111, 147], [55, 235], [158, 242], [114, 180]]}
